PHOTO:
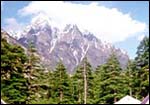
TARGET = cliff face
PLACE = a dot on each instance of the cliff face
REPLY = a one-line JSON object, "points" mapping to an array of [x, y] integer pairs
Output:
{"points": [[69, 45]]}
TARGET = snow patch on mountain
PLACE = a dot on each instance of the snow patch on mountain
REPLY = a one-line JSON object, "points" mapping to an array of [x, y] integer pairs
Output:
{"points": [[84, 52], [53, 43], [96, 46], [75, 55], [71, 44], [40, 20]]}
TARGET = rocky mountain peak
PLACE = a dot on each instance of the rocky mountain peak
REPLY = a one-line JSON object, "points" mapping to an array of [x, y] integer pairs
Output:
{"points": [[40, 20], [70, 45], [71, 28]]}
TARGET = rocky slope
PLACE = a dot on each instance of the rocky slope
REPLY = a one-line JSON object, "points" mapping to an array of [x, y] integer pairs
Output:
{"points": [[69, 45]]}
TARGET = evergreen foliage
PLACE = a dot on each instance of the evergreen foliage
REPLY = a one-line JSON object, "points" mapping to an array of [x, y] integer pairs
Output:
{"points": [[25, 81], [13, 83], [109, 83]]}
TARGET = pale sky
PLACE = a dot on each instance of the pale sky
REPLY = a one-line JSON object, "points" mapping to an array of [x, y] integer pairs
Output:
{"points": [[122, 23]]}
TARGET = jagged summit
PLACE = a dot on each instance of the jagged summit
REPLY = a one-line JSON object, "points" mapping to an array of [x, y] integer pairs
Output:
{"points": [[69, 44], [40, 20]]}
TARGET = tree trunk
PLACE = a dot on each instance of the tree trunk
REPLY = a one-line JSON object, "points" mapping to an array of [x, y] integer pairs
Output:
{"points": [[61, 95], [115, 99], [85, 84], [79, 98], [130, 91], [130, 82], [61, 92]]}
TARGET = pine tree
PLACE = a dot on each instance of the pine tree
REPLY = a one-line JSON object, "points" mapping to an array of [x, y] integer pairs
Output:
{"points": [[129, 77], [78, 86], [142, 71], [83, 83], [61, 84], [109, 87], [99, 76], [142, 58], [33, 71], [44, 83], [13, 83]]}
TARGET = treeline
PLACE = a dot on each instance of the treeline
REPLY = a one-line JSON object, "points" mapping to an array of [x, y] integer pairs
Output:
{"points": [[25, 81]]}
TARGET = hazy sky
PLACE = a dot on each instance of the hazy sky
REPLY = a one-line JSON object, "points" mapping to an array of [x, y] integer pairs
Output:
{"points": [[123, 23]]}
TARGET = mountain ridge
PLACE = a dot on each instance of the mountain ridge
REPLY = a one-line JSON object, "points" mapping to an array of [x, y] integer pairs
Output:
{"points": [[69, 45]]}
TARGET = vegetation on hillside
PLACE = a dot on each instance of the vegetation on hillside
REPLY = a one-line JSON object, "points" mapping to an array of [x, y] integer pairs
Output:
{"points": [[25, 81]]}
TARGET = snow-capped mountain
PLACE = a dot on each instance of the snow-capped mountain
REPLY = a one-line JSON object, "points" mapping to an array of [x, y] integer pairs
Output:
{"points": [[69, 45], [11, 39]]}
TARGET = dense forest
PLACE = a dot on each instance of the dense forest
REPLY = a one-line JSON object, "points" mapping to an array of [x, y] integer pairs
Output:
{"points": [[24, 80]]}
